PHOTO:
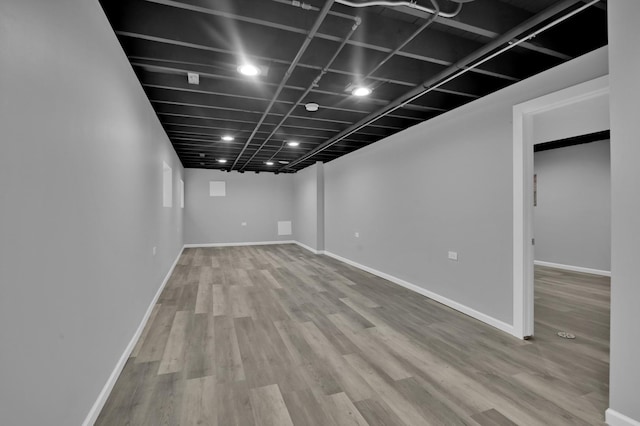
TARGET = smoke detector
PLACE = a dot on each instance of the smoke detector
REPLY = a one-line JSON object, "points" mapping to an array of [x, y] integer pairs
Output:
{"points": [[312, 107]]}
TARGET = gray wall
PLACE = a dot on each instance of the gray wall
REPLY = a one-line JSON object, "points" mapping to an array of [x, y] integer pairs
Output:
{"points": [[309, 206], [306, 206], [260, 200], [442, 185], [81, 197], [624, 60], [320, 206], [572, 221], [589, 116]]}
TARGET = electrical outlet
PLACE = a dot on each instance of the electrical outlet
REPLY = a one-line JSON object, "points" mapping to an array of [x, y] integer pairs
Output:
{"points": [[244, 224], [155, 249], [357, 235], [453, 255]]}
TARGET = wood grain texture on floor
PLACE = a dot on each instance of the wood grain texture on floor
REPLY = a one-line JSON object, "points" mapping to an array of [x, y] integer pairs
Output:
{"points": [[274, 335]]}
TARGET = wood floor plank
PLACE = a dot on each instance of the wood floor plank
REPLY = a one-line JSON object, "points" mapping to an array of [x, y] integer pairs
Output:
{"points": [[228, 361], [269, 408], [198, 404], [233, 404], [343, 411], [274, 335], [174, 353], [305, 410]]}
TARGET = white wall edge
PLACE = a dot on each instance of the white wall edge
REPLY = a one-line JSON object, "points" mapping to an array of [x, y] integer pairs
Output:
{"points": [[306, 247], [613, 418], [111, 381], [573, 268], [523, 113], [507, 328], [258, 243]]}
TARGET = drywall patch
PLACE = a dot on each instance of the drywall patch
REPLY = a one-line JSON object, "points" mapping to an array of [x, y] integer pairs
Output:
{"points": [[217, 188], [284, 227]]}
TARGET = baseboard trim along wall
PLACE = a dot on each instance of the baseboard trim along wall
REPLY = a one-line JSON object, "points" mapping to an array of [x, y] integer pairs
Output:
{"points": [[306, 247], [507, 328], [573, 268], [613, 418], [111, 381], [259, 243]]}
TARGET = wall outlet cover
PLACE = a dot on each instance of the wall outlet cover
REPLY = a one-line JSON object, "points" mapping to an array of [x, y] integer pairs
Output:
{"points": [[453, 255]]}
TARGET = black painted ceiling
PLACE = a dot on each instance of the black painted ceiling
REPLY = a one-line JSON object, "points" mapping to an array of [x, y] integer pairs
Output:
{"points": [[166, 39]]}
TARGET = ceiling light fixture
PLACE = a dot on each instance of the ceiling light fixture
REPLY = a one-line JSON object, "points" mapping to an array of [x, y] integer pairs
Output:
{"points": [[283, 162], [361, 91], [249, 70], [222, 160], [227, 138], [293, 143], [269, 163], [312, 107]]}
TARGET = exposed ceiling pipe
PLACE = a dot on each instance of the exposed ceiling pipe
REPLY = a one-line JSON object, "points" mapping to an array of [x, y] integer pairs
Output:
{"points": [[508, 41], [292, 66], [313, 84], [411, 37], [410, 4], [306, 6]]}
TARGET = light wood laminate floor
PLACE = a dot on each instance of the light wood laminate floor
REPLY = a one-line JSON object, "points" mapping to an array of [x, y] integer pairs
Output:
{"points": [[276, 336]]}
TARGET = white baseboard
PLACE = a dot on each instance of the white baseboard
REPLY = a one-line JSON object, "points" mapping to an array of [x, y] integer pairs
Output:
{"points": [[306, 247], [258, 243], [613, 418], [507, 328], [111, 381], [573, 268]]}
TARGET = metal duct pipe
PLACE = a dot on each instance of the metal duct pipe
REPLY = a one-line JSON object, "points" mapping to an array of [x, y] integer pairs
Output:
{"points": [[461, 67], [411, 4], [313, 84], [292, 66]]}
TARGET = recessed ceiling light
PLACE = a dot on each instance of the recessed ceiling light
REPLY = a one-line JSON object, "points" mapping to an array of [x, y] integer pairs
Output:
{"points": [[361, 91], [202, 164], [283, 162], [201, 154], [293, 143], [249, 69], [269, 163], [227, 138], [221, 160], [312, 107]]}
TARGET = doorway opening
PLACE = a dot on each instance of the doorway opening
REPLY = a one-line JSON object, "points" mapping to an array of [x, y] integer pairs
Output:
{"points": [[591, 100]]}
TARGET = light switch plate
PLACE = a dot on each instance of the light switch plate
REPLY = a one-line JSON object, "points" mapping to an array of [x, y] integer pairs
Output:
{"points": [[453, 255]]}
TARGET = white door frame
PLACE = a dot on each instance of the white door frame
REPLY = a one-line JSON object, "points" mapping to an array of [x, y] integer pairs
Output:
{"points": [[523, 191]]}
